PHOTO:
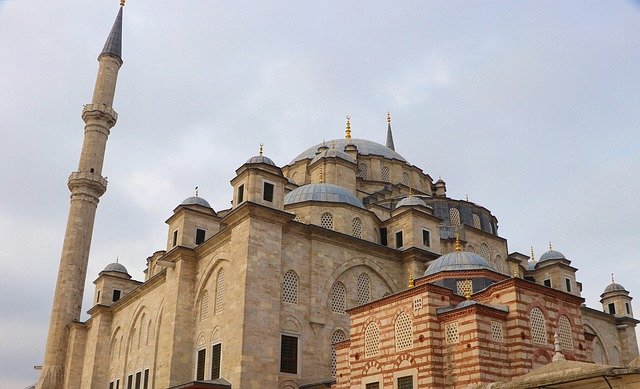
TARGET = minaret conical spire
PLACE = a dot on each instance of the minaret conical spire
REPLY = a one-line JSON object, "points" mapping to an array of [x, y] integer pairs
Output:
{"points": [[86, 185], [389, 134]]}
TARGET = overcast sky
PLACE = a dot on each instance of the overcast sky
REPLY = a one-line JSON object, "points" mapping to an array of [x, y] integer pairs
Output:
{"points": [[529, 108]]}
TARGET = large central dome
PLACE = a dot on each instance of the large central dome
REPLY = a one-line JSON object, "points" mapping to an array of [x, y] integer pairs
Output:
{"points": [[365, 147]]}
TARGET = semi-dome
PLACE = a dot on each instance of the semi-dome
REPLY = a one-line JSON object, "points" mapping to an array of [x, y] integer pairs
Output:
{"points": [[613, 287], [261, 159], [195, 200], [458, 260], [117, 267], [322, 192], [410, 201], [365, 147], [552, 254], [333, 153]]}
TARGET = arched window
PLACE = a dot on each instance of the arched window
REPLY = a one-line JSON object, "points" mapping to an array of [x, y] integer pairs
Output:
{"points": [[337, 336], [485, 252], [615, 357], [469, 248], [357, 227], [405, 178], [338, 296], [364, 289], [564, 333], [385, 173], [219, 301], [476, 221], [149, 333], [598, 352], [371, 340], [363, 170], [142, 340], [290, 287], [326, 221], [538, 326], [499, 263], [454, 216], [294, 177], [204, 305], [404, 332]]}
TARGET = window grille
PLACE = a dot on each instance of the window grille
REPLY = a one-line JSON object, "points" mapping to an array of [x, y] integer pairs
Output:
{"points": [[289, 354], [405, 178], [564, 333], [216, 353], [357, 227], [337, 336], [598, 352], [326, 221], [469, 248], [204, 305], [145, 384], [476, 221], [454, 216], [451, 333], [371, 340], [200, 364], [496, 331], [200, 235], [385, 173], [290, 287], [464, 286], [363, 170], [219, 292], [399, 242], [267, 193], [417, 304], [404, 332], [364, 289], [297, 218], [485, 252], [149, 333], [499, 263], [615, 357], [338, 295], [142, 340], [538, 326], [426, 238], [405, 382], [134, 339]]}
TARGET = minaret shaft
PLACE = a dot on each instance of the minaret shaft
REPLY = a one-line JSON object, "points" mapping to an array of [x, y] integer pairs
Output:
{"points": [[86, 186]]}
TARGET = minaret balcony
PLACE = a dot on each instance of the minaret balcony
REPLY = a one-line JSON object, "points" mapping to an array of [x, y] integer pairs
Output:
{"points": [[82, 181], [99, 112]]}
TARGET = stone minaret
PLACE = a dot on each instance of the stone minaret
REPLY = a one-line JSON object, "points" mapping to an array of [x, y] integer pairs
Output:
{"points": [[86, 186]]}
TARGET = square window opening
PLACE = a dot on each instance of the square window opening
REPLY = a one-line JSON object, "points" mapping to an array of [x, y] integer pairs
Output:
{"points": [[116, 295], [267, 192], [399, 242], [200, 235]]}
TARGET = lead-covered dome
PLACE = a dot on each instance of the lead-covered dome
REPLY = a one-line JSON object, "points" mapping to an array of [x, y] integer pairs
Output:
{"points": [[458, 260], [261, 159], [333, 153], [365, 147], [117, 267], [410, 201], [322, 192], [552, 254], [613, 287], [195, 200]]}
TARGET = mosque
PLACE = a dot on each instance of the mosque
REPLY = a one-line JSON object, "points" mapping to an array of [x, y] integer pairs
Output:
{"points": [[349, 267]]}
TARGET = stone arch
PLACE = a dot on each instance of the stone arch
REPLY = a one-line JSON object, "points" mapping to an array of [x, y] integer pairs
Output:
{"points": [[352, 263], [291, 324], [605, 355], [288, 384], [404, 357], [371, 367], [218, 260], [215, 333]]}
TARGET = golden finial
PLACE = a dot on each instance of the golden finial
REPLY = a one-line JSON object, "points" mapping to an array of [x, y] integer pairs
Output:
{"points": [[533, 258], [122, 3], [261, 148], [321, 177], [410, 191], [388, 117], [411, 279], [458, 246], [550, 247], [467, 292], [196, 191], [347, 133]]}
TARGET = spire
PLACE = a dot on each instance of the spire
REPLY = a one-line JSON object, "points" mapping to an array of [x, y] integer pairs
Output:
{"points": [[113, 45], [261, 148], [613, 281], [533, 258], [347, 132], [389, 134], [196, 191]]}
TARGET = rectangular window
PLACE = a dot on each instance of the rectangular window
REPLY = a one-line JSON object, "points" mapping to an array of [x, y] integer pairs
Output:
{"points": [[383, 236], [426, 238], [175, 238], [267, 192], [373, 385], [612, 308], [240, 194], [289, 354], [567, 283], [117, 384], [202, 354], [130, 381], [628, 308], [145, 383], [547, 283], [405, 382], [110, 385], [138, 379], [216, 353], [200, 234], [116, 295], [98, 297], [399, 242]]}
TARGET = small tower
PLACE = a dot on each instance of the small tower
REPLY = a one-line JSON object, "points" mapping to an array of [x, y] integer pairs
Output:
{"points": [[86, 185], [441, 188], [260, 181], [616, 301]]}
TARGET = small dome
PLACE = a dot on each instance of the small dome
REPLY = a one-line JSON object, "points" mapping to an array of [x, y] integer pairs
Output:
{"points": [[117, 267], [261, 159], [458, 260], [195, 200], [322, 192], [333, 153], [410, 201], [613, 287], [551, 254]]}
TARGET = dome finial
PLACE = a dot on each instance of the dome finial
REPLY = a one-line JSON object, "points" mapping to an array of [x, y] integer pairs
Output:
{"points": [[550, 247], [347, 132], [612, 280], [261, 148], [533, 257], [410, 279], [458, 246], [467, 292], [196, 191], [410, 192], [389, 133], [117, 259]]}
